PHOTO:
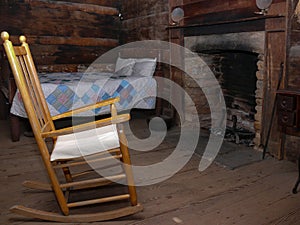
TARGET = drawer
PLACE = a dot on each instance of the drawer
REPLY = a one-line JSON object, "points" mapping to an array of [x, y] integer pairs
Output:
{"points": [[286, 118], [286, 102]]}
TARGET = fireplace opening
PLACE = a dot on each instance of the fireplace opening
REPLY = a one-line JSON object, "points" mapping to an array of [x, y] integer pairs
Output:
{"points": [[238, 62], [236, 72]]}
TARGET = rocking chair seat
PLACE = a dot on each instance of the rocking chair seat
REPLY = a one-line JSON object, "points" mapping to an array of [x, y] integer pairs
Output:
{"points": [[85, 143]]}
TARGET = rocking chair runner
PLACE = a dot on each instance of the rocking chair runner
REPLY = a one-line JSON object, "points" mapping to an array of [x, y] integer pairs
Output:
{"points": [[70, 150]]}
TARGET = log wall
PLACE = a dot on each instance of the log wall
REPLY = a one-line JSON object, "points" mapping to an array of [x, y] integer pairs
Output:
{"points": [[144, 20], [63, 34]]}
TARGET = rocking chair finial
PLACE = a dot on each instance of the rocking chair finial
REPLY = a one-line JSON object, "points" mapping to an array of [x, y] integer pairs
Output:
{"points": [[4, 36], [22, 39]]}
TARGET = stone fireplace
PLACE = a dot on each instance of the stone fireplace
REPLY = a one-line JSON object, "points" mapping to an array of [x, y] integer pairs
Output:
{"points": [[238, 62]]}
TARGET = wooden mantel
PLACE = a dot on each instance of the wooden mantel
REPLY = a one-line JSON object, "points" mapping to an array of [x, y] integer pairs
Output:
{"points": [[257, 23], [217, 16]]}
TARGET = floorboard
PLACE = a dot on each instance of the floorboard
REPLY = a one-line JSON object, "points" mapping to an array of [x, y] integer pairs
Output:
{"points": [[257, 192]]}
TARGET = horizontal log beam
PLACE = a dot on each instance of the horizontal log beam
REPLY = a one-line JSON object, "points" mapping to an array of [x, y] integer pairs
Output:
{"points": [[109, 3], [57, 68], [78, 41], [103, 67], [70, 6]]}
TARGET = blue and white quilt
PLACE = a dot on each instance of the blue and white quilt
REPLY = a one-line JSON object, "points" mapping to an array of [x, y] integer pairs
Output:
{"points": [[67, 91]]}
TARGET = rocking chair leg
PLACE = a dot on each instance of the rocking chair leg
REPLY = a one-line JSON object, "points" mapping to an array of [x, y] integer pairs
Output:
{"points": [[67, 174], [298, 181], [128, 170]]}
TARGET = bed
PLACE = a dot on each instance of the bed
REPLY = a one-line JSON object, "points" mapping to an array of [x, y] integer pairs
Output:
{"points": [[67, 91], [132, 80]]}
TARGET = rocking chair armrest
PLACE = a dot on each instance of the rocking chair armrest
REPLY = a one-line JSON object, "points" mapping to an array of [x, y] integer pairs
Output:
{"points": [[86, 108], [87, 126]]}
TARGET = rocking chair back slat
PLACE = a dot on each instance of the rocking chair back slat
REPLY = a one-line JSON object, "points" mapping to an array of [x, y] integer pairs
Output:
{"points": [[28, 85]]}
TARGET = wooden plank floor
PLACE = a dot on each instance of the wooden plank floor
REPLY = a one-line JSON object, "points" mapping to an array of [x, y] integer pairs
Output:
{"points": [[255, 194]]}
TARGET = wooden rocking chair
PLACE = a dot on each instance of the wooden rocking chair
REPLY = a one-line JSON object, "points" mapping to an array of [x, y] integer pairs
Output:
{"points": [[99, 141]]}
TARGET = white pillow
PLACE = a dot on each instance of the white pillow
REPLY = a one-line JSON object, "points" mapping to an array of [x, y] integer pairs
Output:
{"points": [[124, 65], [144, 67]]}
